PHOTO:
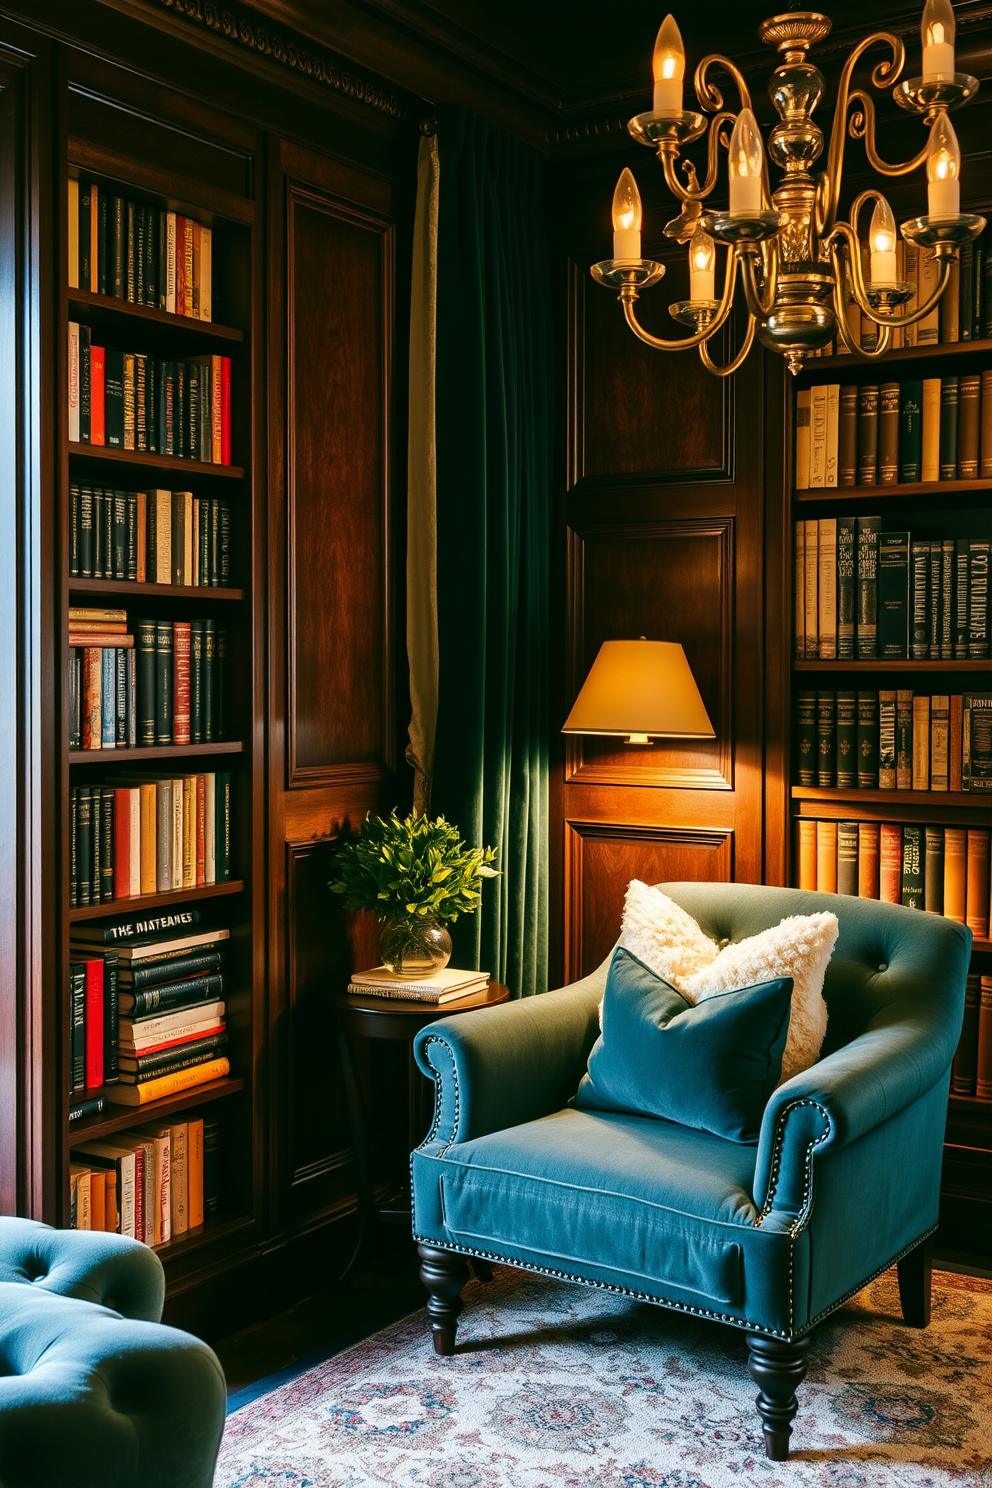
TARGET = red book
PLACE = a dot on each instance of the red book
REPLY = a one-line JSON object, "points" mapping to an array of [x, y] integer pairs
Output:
{"points": [[216, 408], [890, 876], [94, 1024], [180, 681], [225, 410], [97, 384], [182, 228], [207, 1031]]}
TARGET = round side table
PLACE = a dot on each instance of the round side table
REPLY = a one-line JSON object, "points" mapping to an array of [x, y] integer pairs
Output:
{"points": [[398, 1020]]}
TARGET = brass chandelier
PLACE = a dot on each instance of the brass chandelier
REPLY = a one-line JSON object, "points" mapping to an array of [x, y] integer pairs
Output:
{"points": [[799, 265]]}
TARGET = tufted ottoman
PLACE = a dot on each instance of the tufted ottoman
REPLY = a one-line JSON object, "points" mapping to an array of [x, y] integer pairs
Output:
{"points": [[94, 1391]]}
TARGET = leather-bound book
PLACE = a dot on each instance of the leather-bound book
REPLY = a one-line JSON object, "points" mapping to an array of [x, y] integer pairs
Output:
{"points": [[910, 430], [806, 752], [868, 860], [847, 858], [846, 588], [921, 743], [965, 1066], [940, 753], [955, 873], [803, 403], [847, 436], [962, 553], [950, 305], [930, 458], [947, 569], [826, 739], [977, 883], [912, 866], [888, 434], [868, 435], [893, 595], [936, 598], [799, 585], [928, 329], [969, 424], [978, 599], [812, 551], [904, 739], [827, 588], [955, 741], [847, 740], [807, 854], [826, 857], [983, 1070], [967, 292], [867, 588], [868, 740], [933, 870], [887, 739], [985, 423], [919, 599], [949, 411], [890, 863]]}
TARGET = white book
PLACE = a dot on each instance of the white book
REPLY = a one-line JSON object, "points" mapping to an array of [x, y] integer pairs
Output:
{"points": [[800, 591], [170, 262], [803, 401], [158, 949], [833, 410], [448, 979], [206, 273], [210, 828], [74, 379], [73, 234], [134, 840], [928, 329], [930, 466], [812, 591], [176, 845], [163, 836], [818, 437], [159, 564], [911, 273], [827, 581], [143, 1033]]}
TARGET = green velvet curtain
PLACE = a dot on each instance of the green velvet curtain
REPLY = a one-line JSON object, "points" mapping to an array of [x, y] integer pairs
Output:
{"points": [[493, 421]]}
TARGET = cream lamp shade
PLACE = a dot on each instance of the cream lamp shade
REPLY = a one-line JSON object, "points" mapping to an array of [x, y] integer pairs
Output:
{"points": [[639, 690]]}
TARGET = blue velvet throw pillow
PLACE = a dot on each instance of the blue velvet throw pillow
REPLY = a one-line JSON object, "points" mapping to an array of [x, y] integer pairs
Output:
{"points": [[712, 1066]]}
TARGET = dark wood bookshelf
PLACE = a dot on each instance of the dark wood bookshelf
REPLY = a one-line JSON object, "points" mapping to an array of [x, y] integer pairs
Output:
{"points": [[107, 306], [118, 1118], [131, 589], [144, 461], [154, 751], [938, 351], [888, 493], [935, 800], [140, 902], [205, 1234], [892, 666], [971, 1102]]}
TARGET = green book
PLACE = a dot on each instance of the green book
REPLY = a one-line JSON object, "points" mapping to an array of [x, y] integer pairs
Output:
{"points": [[867, 740], [145, 646], [806, 738], [893, 595], [912, 867], [163, 682], [846, 588], [933, 870], [847, 740], [949, 392], [84, 844], [826, 739], [910, 430]]}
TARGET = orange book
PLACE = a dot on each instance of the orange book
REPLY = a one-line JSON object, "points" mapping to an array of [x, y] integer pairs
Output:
{"points": [[149, 808], [142, 536], [890, 863], [217, 410], [807, 854], [955, 863], [195, 235], [112, 1217], [98, 1199], [152, 1090], [92, 697], [826, 857], [868, 860], [98, 366], [956, 742], [983, 1073], [225, 410], [194, 1172], [94, 284], [977, 883]]}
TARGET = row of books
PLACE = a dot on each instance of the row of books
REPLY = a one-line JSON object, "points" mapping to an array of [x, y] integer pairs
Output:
{"points": [[894, 740], [147, 1012], [153, 537], [154, 1183], [937, 429], [971, 1070], [134, 252], [963, 313], [865, 594], [169, 688], [127, 400], [137, 835], [941, 869]]}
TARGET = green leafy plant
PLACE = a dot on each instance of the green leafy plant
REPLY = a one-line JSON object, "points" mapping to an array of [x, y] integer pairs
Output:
{"points": [[411, 867]]}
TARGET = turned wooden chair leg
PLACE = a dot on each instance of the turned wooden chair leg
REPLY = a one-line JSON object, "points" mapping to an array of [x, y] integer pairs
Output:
{"points": [[778, 1369], [915, 1271], [443, 1274]]}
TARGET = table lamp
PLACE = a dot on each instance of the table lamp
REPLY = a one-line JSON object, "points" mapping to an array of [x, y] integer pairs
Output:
{"points": [[639, 691]]}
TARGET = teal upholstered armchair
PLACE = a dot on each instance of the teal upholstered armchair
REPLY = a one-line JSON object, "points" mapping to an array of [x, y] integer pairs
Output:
{"points": [[770, 1238]]}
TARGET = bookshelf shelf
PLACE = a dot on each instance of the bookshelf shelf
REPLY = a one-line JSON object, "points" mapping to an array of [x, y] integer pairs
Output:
{"points": [[105, 306], [154, 751], [103, 454], [837, 668], [971, 1103], [140, 902], [936, 351], [926, 800], [205, 1234], [894, 492], [129, 589], [119, 1118]]}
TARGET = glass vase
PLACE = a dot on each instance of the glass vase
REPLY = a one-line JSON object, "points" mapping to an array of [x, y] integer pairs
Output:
{"points": [[414, 948]]}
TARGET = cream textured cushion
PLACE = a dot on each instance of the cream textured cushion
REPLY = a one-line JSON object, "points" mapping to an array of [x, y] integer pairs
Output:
{"points": [[660, 933]]}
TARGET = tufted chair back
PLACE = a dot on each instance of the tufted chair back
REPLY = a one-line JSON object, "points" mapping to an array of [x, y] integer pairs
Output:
{"points": [[891, 966]]}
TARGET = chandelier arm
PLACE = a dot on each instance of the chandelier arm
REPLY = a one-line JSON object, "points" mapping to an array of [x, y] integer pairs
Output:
{"points": [[708, 94], [844, 236], [627, 298], [668, 155], [738, 360], [761, 304], [885, 74], [862, 126]]}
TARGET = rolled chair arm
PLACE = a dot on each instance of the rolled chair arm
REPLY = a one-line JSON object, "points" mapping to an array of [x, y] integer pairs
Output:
{"points": [[502, 1066], [92, 1265]]}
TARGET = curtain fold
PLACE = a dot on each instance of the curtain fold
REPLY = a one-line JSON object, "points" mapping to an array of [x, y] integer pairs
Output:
{"points": [[493, 422]]}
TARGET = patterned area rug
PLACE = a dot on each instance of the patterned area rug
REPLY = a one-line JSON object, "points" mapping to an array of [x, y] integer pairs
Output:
{"points": [[559, 1386]]}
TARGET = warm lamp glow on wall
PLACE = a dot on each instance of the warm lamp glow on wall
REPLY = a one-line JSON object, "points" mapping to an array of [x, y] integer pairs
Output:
{"points": [[639, 691]]}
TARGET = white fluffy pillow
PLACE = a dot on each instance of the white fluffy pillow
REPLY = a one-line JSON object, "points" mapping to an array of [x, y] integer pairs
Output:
{"points": [[668, 940]]}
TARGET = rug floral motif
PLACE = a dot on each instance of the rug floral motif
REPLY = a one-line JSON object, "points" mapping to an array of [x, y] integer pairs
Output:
{"points": [[560, 1386]]}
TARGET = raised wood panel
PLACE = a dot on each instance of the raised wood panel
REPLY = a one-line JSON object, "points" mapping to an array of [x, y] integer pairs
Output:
{"points": [[639, 415], [602, 857], [667, 581], [338, 300]]}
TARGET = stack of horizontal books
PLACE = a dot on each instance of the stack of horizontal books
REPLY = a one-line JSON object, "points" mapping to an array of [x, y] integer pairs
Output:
{"points": [[449, 985]]}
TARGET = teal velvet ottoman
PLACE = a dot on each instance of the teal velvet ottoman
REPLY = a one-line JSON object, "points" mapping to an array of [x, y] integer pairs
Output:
{"points": [[94, 1391], [768, 1237]]}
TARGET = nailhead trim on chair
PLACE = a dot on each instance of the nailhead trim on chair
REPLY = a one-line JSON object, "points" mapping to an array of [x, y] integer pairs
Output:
{"points": [[869, 1279], [799, 1223], [433, 1039]]}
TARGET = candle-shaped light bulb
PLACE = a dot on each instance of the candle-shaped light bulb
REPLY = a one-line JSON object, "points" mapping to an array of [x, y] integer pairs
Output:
{"points": [[702, 253], [944, 170], [744, 163], [937, 31], [626, 218], [882, 241], [668, 66]]}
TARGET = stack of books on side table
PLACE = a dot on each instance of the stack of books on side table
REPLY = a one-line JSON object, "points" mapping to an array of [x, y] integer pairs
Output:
{"points": [[448, 985]]}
